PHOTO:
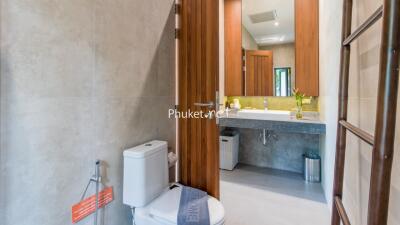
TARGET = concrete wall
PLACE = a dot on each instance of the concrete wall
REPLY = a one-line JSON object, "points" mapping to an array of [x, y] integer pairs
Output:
{"points": [[248, 41], [80, 80], [364, 72], [279, 153]]}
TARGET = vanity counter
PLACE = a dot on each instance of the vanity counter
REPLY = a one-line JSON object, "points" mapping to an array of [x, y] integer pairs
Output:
{"points": [[283, 124]]}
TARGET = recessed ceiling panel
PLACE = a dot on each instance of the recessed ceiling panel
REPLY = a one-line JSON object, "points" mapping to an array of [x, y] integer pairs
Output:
{"points": [[269, 21], [263, 17]]}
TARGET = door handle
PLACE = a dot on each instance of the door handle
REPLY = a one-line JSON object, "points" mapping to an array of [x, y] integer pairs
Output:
{"points": [[210, 104]]}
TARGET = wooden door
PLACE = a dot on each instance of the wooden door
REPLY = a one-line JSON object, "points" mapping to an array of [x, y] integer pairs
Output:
{"points": [[198, 83], [233, 48], [259, 75], [307, 46]]}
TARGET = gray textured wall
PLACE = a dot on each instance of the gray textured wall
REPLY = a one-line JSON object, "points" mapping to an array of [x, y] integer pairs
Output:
{"points": [[284, 151], [80, 80]]}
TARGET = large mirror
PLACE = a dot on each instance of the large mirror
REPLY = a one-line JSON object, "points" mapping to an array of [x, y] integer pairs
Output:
{"points": [[268, 47]]}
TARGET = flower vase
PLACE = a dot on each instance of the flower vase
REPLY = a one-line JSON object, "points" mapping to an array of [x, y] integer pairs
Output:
{"points": [[299, 112]]}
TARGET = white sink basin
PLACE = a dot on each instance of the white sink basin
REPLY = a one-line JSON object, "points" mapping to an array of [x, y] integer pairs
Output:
{"points": [[264, 114]]}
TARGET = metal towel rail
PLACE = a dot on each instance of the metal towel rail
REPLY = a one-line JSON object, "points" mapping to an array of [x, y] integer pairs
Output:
{"points": [[96, 178]]}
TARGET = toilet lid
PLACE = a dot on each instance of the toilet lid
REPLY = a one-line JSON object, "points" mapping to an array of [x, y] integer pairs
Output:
{"points": [[165, 208]]}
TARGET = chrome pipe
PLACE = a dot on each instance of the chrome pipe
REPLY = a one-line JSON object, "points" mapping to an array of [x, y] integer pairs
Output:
{"points": [[97, 180]]}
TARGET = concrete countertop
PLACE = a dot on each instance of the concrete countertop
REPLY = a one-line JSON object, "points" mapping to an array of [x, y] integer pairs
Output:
{"points": [[290, 124]]}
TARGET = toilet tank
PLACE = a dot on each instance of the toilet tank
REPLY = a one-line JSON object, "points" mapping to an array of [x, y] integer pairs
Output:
{"points": [[145, 173]]}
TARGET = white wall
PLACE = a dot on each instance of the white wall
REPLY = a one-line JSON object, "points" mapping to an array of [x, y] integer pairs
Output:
{"points": [[330, 38], [248, 41], [364, 72]]}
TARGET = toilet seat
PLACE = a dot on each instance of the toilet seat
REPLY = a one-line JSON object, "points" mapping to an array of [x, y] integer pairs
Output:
{"points": [[164, 210]]}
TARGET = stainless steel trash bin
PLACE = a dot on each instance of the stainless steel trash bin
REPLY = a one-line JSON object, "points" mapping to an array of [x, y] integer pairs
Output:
{"points": [[312, 168]]}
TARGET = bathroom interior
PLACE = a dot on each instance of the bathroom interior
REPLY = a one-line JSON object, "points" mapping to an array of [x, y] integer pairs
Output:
{"points": [[266, 150], [92, 94]]}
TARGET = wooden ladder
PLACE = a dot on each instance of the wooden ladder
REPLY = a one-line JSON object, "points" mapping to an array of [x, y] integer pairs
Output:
{"points": [[383, 140]]}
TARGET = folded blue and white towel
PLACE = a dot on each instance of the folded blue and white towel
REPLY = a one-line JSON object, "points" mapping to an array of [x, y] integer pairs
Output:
{"points": [[193, 207]]}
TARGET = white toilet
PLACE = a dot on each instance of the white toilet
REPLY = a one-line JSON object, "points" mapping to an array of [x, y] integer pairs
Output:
{"points": [[146, 187]]}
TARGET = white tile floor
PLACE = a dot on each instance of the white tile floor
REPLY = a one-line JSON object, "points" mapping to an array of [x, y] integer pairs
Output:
{"points": [[258, 196]]}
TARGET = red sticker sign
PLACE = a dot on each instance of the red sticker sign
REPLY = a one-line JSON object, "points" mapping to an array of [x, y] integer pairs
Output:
{"points": [[88, 205]]}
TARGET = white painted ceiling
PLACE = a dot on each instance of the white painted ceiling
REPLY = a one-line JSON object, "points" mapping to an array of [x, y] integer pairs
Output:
{"points": [[266, 33]]}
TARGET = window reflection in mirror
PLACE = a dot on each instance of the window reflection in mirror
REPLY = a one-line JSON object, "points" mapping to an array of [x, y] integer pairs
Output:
{"points": [[283, 84]]}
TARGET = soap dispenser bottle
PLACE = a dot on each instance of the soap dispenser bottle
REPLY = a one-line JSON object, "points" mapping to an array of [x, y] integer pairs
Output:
{"points": [[265, 103], [236, 104]]}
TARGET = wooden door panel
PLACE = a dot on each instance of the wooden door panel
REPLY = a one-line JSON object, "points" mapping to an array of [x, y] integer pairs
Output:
{"points": [[307, 46], [233, 47], [198, 83], [249, 89], [259, 74], [270, 79]]}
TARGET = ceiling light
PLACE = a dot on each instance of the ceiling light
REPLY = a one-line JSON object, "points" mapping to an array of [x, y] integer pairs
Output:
{"points": [[271, 39], [276, 23]]}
